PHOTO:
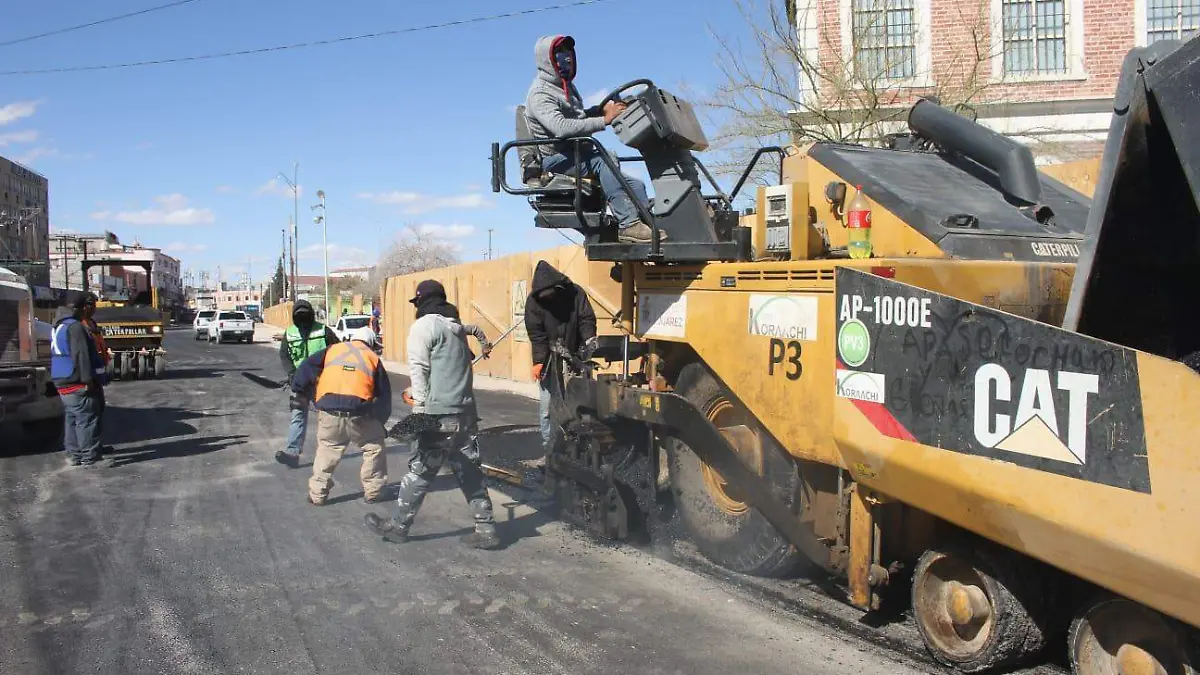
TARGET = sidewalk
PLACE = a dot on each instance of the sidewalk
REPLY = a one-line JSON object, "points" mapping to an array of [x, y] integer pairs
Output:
{"points": [[268, 335]]}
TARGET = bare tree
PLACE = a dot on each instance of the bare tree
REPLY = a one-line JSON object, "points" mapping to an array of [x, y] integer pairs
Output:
{"points": [[781, 88], [413, 251]]}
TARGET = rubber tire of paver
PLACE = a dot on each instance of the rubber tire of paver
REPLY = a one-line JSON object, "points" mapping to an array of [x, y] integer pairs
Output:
{"points": [[126, 367], [1021, 598], [742, 541]]}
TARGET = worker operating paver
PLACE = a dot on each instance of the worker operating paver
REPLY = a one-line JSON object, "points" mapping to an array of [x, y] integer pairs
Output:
{"points": [[353, 398], [443, 388]]}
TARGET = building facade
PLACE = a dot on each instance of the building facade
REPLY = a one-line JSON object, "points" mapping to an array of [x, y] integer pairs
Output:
{"points": [[249, 299], [25, 224], [121, 280], [1041, 71]]}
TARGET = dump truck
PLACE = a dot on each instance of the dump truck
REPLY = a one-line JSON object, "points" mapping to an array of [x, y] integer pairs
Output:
{"points": [[987, 422], [132, 327], [28, 398]]}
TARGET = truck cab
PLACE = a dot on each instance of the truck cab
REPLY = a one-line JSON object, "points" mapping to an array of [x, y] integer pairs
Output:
{"points": [[28, 399]]}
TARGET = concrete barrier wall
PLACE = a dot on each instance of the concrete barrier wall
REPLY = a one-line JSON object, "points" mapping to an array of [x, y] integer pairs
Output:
{"points": [[1080, 175], [492, 294], [279, 315]]}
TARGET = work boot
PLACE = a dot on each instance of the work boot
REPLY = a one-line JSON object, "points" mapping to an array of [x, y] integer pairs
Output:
{"points": [[638, 233], [287, 459], [486, 540], [378, 498], [314, 502], [389, 529]]}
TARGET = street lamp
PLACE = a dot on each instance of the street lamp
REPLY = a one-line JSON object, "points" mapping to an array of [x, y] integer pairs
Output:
{"points": [[320, 220], [295, 221]]}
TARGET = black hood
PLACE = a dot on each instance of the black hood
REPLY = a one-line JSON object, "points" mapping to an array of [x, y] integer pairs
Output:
{"points": [[436, 304], [298, 308], [545, 276]]}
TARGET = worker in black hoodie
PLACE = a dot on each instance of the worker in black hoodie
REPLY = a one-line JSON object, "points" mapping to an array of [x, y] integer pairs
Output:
{"points": [[557, 310]]}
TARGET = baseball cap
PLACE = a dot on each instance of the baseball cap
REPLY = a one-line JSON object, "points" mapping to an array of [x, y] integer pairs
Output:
{"points": [[427, 288], [86, 300]]}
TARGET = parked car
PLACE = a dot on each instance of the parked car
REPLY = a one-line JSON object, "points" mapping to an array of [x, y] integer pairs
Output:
{"points": [[235, 326], [348, 324], [200, 323]]}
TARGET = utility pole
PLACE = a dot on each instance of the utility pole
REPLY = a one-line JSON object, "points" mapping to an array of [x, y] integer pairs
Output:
{"points": [[489, 257], [324, 243], [292, 262], [294, 185]]}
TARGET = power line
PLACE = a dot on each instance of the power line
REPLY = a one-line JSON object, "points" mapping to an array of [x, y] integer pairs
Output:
{"points": [[60, 31], [304, 45]]}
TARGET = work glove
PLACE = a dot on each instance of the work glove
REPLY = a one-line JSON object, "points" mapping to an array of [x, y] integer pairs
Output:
{"points": [[297, 401], [589, 347], [537, 371], [406, 396], [486, 348]]}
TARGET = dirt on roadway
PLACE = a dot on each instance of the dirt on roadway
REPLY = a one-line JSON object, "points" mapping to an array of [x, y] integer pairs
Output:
{"points": [[195, 552]]}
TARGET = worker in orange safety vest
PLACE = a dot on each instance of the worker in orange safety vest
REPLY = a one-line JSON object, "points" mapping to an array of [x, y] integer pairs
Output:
{"points": [[353, 398]]}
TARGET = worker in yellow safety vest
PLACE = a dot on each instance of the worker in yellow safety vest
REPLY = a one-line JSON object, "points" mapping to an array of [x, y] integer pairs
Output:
{"points": [[353, 398], [305, 337]]}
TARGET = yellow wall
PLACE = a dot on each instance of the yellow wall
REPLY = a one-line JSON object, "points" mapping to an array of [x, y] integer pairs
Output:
{"points": [[279, 315], [492, 294], [1080, 175]]}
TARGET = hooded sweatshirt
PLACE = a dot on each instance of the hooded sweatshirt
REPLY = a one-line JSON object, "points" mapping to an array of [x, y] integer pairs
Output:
{"points": [[553, 106], [439, 362], [303, 317], [567, 316]]}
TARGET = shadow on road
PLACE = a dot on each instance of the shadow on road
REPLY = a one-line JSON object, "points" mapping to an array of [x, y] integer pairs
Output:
{"points": [[132, 425], [183, 447], [198, 373]]}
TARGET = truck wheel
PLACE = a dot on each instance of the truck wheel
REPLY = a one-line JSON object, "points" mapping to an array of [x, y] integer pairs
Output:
{"points": [[980, 608], [718, 520], [1114, 636]]}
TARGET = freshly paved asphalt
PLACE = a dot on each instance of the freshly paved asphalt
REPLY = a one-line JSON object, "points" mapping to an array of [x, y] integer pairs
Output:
{"points": [[195, 552]]}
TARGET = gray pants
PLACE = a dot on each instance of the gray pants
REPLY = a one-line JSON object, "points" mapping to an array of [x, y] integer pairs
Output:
{"points": [[453, 443], [81, 428]]}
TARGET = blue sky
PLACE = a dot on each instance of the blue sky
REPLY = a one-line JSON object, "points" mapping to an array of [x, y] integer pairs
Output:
{"points": [[395, 130]]}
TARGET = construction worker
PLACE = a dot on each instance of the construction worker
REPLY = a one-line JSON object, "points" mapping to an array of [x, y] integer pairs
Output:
{"points": [[78, 373], [353, 398], [442, 386], [97, 334], [555, 110], [557, 310], [305, 337]]}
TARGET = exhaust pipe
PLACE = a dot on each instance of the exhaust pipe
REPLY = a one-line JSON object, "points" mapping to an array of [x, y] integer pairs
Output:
{"points": [[1012, 162]]}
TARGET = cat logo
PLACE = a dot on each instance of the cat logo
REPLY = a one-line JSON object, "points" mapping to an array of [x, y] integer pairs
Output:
{"points": [[1037, 428]]}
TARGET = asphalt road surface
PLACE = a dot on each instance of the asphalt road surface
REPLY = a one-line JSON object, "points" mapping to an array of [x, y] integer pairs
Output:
{"points": [[195, 552]]}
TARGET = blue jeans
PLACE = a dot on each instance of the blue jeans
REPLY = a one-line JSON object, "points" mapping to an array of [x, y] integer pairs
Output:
{"points": [[81, 426], [297, 429], [590, 162]]}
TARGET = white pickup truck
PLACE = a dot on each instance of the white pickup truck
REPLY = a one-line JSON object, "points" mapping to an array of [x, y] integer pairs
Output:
{"points": [[231, 326]]}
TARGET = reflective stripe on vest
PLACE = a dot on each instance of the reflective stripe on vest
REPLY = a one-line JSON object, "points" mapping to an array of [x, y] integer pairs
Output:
{"points": [[300, 348], [349, 371]]}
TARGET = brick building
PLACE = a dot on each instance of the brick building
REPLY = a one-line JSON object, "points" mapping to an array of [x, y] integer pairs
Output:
{"points": [[25, 224], [1042, 71]]}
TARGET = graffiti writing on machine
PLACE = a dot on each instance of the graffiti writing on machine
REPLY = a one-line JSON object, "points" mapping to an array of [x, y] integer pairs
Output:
{"points": [[969, 379]]}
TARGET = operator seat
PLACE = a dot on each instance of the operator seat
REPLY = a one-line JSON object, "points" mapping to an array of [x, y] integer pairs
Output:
{"points": [[556, 209]]}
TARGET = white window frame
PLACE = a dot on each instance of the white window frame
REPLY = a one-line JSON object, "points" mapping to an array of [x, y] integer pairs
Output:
{"points": [[923, 65], [1074, 38], [1141, 27]]}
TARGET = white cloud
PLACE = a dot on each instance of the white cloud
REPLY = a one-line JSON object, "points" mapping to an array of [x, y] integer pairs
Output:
{"points": [[172, 209], [18, 137], [416, 202], [15, 111], [278, 188], [181, 247], [225, 189], [595, 97], [340, 255], [452, 231], [34, 154]]}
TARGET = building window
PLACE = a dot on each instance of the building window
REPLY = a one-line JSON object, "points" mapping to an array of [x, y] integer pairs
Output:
{"points": [[1171, 20], [1034, 37], [884, 38]]}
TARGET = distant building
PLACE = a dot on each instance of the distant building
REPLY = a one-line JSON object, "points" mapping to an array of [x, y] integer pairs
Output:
{"points": [[249, 299], [119, 281], [25, 224], [1041, 71], [348, 272]]}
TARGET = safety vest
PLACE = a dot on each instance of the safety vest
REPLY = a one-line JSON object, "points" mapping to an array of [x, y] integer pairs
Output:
{"points": [[349, 371], [62, 365], [300, 348], [98, 337]]}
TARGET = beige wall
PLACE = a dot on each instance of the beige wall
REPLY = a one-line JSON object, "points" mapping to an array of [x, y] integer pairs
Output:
{"points": [[1080, 175], [492, 294], [279, 316]]}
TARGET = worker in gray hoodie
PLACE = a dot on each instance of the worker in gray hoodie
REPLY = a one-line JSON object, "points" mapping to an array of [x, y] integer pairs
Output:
{"points": [[439, 361], [555, 110]]}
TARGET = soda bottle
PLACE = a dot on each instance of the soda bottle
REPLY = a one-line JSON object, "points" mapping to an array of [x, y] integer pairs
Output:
{"points": [[858, 222]]}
